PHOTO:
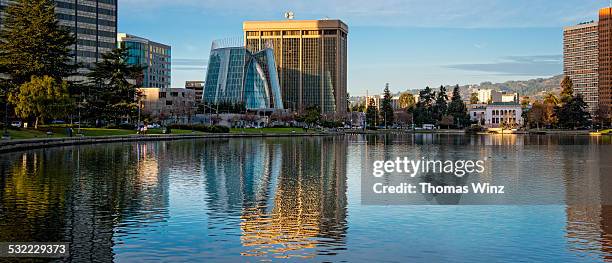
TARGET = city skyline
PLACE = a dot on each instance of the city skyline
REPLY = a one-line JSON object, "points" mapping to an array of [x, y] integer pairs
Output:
{"points": [[515, 41]]}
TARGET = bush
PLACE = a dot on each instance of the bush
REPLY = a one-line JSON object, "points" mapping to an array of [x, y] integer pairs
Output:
{"points": [[332, 124], [201, 128]]}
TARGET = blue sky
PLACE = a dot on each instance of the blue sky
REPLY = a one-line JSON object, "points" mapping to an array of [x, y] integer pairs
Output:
{"points": [[407, 43]]}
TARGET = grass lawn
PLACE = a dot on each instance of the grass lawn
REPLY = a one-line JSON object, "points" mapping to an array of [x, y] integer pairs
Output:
{"points": [[608, 131], [59, 132], [270, 130]]}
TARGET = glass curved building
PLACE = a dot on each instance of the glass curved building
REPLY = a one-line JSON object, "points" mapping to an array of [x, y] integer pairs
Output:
{"points": [[236, 75]]}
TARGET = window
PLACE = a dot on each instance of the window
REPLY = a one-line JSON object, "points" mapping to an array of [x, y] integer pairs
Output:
{"points": [[174, 94], [162, 95], [168, 103]]}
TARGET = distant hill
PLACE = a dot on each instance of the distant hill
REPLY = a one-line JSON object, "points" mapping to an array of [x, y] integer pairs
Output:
{"points": [[532, 88]]}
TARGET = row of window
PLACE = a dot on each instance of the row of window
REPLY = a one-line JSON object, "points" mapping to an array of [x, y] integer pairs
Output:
{"points": [[85, 8], [504, 112], [291, 33], [89, 20], [164, 94]]}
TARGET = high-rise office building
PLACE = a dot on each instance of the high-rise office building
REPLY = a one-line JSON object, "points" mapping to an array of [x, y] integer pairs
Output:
{"points": [[153, 56], [580, 61], [237, 75], [198, 87], [587, 60], [93, 22], [311, 59], [605, 59]]}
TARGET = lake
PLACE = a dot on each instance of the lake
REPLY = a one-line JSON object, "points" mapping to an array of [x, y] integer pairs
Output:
{"points": [[300, 199]]}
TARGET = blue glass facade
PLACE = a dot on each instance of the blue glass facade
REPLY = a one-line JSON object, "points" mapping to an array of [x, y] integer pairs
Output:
{"points": [[235, 75], [154, 57]]}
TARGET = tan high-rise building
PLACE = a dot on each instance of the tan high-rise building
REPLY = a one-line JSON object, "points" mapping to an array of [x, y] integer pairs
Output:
{"points": [[580, 61], [311, 57], [605, 59]]}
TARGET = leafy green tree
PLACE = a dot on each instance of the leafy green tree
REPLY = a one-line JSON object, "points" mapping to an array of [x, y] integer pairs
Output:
{"points": [[32, 43], [458, 110], [441, 105], [112, 94], [387, 109], [312, 116], [41, 98], [474, 98], [407, 101], [372, 114]]}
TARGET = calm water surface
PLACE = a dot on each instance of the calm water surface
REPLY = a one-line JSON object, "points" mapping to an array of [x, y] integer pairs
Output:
{"points": [[287, 199]]}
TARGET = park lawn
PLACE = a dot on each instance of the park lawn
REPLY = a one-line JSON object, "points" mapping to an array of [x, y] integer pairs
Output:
{"points": [[31, 134], [60, 132], [270, 130], [608, 131]]}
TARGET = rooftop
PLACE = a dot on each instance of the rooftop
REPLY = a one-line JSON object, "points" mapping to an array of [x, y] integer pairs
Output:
{"points": [[295, 24]]}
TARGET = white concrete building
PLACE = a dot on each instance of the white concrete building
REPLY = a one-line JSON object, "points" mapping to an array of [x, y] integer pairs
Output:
{"points": [[507, 114]]}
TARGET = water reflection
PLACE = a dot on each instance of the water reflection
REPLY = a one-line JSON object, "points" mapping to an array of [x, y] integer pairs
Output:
{"points": [[289, 199], [290, 194]]}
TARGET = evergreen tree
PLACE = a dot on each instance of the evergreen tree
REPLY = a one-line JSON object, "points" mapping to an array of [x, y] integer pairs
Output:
{"points": [[441, 105], [112, 94], [32, 43], [574, 114], [387, 109], [423, 113], [458, 110], [372, 114]]}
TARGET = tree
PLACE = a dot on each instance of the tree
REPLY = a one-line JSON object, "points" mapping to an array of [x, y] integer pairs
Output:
{"points": [[403, 117], [525, 102], [41, 98], [536, 114], [372, 114], [113, 91], [441, 104], [458, 110], [407, 101], [603, 115], [474, 98], [32, 43], [312, 116], [387, 109], [573, 113], [551, 98], [423, 113], [567, 89]]}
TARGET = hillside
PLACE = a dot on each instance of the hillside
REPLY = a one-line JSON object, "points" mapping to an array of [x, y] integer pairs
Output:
{"points": [[532, 88]]}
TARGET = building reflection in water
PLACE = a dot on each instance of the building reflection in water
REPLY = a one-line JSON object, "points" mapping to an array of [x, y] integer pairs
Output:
{"points": [[80, 195], [589, 209], [290, 194]]}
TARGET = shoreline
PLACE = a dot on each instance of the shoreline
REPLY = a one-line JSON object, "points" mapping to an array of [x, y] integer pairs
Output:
{"points": [[7, 146]]}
